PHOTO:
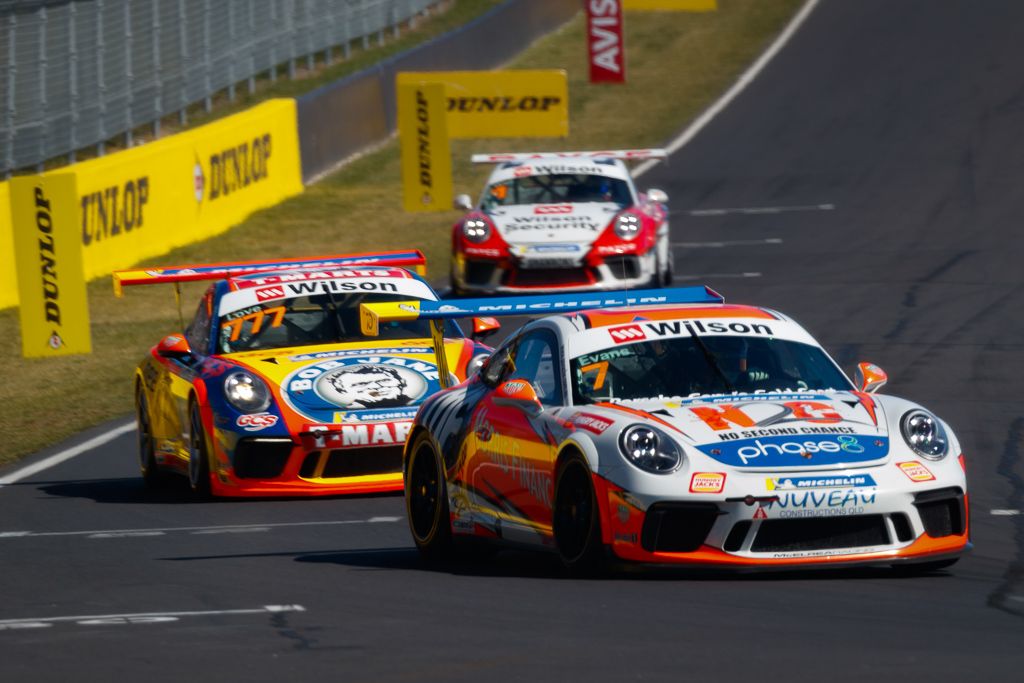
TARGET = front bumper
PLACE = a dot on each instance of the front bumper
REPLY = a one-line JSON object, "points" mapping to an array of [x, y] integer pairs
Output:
{"points": [[309, 464], [878, 526], [507, 276]]}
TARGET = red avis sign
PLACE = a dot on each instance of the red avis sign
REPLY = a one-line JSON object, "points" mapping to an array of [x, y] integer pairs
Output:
{"points": [[604, 40]]}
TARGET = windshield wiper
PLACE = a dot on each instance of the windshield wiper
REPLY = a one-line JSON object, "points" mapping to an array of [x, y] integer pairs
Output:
{"points": [[712, 361]]}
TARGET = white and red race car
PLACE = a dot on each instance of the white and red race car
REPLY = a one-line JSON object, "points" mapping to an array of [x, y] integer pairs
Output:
{"points": [[564, 221]]}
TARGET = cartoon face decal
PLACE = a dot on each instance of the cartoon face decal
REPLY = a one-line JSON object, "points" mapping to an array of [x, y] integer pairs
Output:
{"points": [[371, 386], [330, 390]]}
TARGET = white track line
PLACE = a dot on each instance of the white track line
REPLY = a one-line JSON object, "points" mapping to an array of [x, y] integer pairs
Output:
{"points": [[719, 245], [58, 458], [704, 119], [758, 210], [159, 531], [732, 93], [140, 617], [1005, 513]]}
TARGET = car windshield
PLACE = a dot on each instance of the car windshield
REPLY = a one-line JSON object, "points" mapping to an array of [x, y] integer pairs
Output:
{"points": [[689, 366], [558, 188], [313, 319]]}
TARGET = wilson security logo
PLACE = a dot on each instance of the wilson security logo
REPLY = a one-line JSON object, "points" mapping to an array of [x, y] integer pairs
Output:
{"points": [[789, 451]]}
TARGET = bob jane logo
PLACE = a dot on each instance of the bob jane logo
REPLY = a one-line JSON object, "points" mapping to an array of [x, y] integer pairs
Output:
{"points": [[371, 382], [233, 169]]}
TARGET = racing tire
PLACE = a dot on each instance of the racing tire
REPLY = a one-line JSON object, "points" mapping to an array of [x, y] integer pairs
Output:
{"points": [[198, 455], [577, 520], [921, 568], [666, 271], [152, 476], [426, 501], [669, 275]]}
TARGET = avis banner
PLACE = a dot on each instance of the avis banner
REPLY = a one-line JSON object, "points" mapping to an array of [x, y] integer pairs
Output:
{"points": [[605, 48]]}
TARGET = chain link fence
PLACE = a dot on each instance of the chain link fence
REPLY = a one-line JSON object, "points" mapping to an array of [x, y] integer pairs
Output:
{"points": [[76, 74]]}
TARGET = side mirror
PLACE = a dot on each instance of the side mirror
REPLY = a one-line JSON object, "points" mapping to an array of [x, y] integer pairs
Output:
{"points": [[869, 378], [518, 393], [174, 346], [657, 196], [463, 202], [484, 328]]}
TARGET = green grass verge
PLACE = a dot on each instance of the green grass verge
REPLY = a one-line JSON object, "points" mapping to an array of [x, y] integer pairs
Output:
{"points": [[677, 64]]}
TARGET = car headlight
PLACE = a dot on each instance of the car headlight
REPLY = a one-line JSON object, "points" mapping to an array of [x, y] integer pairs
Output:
{"points": [[475, 363], [627, 226], [649, 449], [924, 434], [476, 230], [246, 392]]}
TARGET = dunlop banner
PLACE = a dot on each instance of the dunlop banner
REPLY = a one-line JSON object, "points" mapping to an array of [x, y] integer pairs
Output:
{"points": [[678, 5], [487, 104], [426, 159], [8, 277], [54, 311], [145, 201]]}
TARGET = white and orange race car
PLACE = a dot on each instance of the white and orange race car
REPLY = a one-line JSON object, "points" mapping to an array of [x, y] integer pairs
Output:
{"points": [[668, 427], [272, 390], [565, 221]]}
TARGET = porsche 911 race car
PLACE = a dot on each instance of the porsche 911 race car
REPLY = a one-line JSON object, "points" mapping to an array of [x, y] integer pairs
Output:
{"points": [[568, 221], [668, 427], [272, 390]]}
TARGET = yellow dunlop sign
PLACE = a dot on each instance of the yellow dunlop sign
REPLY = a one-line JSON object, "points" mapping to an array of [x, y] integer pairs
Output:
{"points": [[489, 104], [678, 5], [143, 202], [426, 159], [54, 308], [8, 275]]}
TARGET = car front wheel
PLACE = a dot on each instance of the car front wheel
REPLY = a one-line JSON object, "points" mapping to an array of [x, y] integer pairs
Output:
{"points": [[577, 521], [426, 500], [198, 455], [152, 477]]}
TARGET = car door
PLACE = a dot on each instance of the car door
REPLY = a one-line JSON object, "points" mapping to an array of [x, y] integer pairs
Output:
{"points": [[512, 471]]}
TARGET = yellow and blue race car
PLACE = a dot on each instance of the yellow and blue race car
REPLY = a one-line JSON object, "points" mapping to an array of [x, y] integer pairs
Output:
{"points": [[273, 390]]}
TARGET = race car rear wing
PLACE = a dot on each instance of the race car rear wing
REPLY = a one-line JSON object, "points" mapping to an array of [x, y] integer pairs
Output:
{"points": [[372, 315], [219, 271], [624, 154]]}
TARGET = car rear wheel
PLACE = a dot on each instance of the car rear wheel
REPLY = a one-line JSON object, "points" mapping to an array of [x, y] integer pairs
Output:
{"points": [[426, 500], [152, 477], [198, 455], [577, 521]]}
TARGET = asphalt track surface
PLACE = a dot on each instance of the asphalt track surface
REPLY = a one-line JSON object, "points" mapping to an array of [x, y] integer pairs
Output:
{"points": [[867, 183]]}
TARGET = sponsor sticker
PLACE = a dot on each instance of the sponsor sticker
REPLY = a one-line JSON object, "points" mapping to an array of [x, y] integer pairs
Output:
{"points": [[624, 334], [798, 450], [915, 471], [707, 482], [592, 423], [830, 482], [256, 421], [559, 208]]}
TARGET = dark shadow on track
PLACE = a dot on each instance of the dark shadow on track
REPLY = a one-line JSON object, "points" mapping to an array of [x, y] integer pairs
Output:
{"points": [[131, 490]]}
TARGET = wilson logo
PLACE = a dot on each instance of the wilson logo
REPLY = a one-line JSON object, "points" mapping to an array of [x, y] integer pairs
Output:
{"points": [[561, 208], [626, 333], [268, 293]]}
